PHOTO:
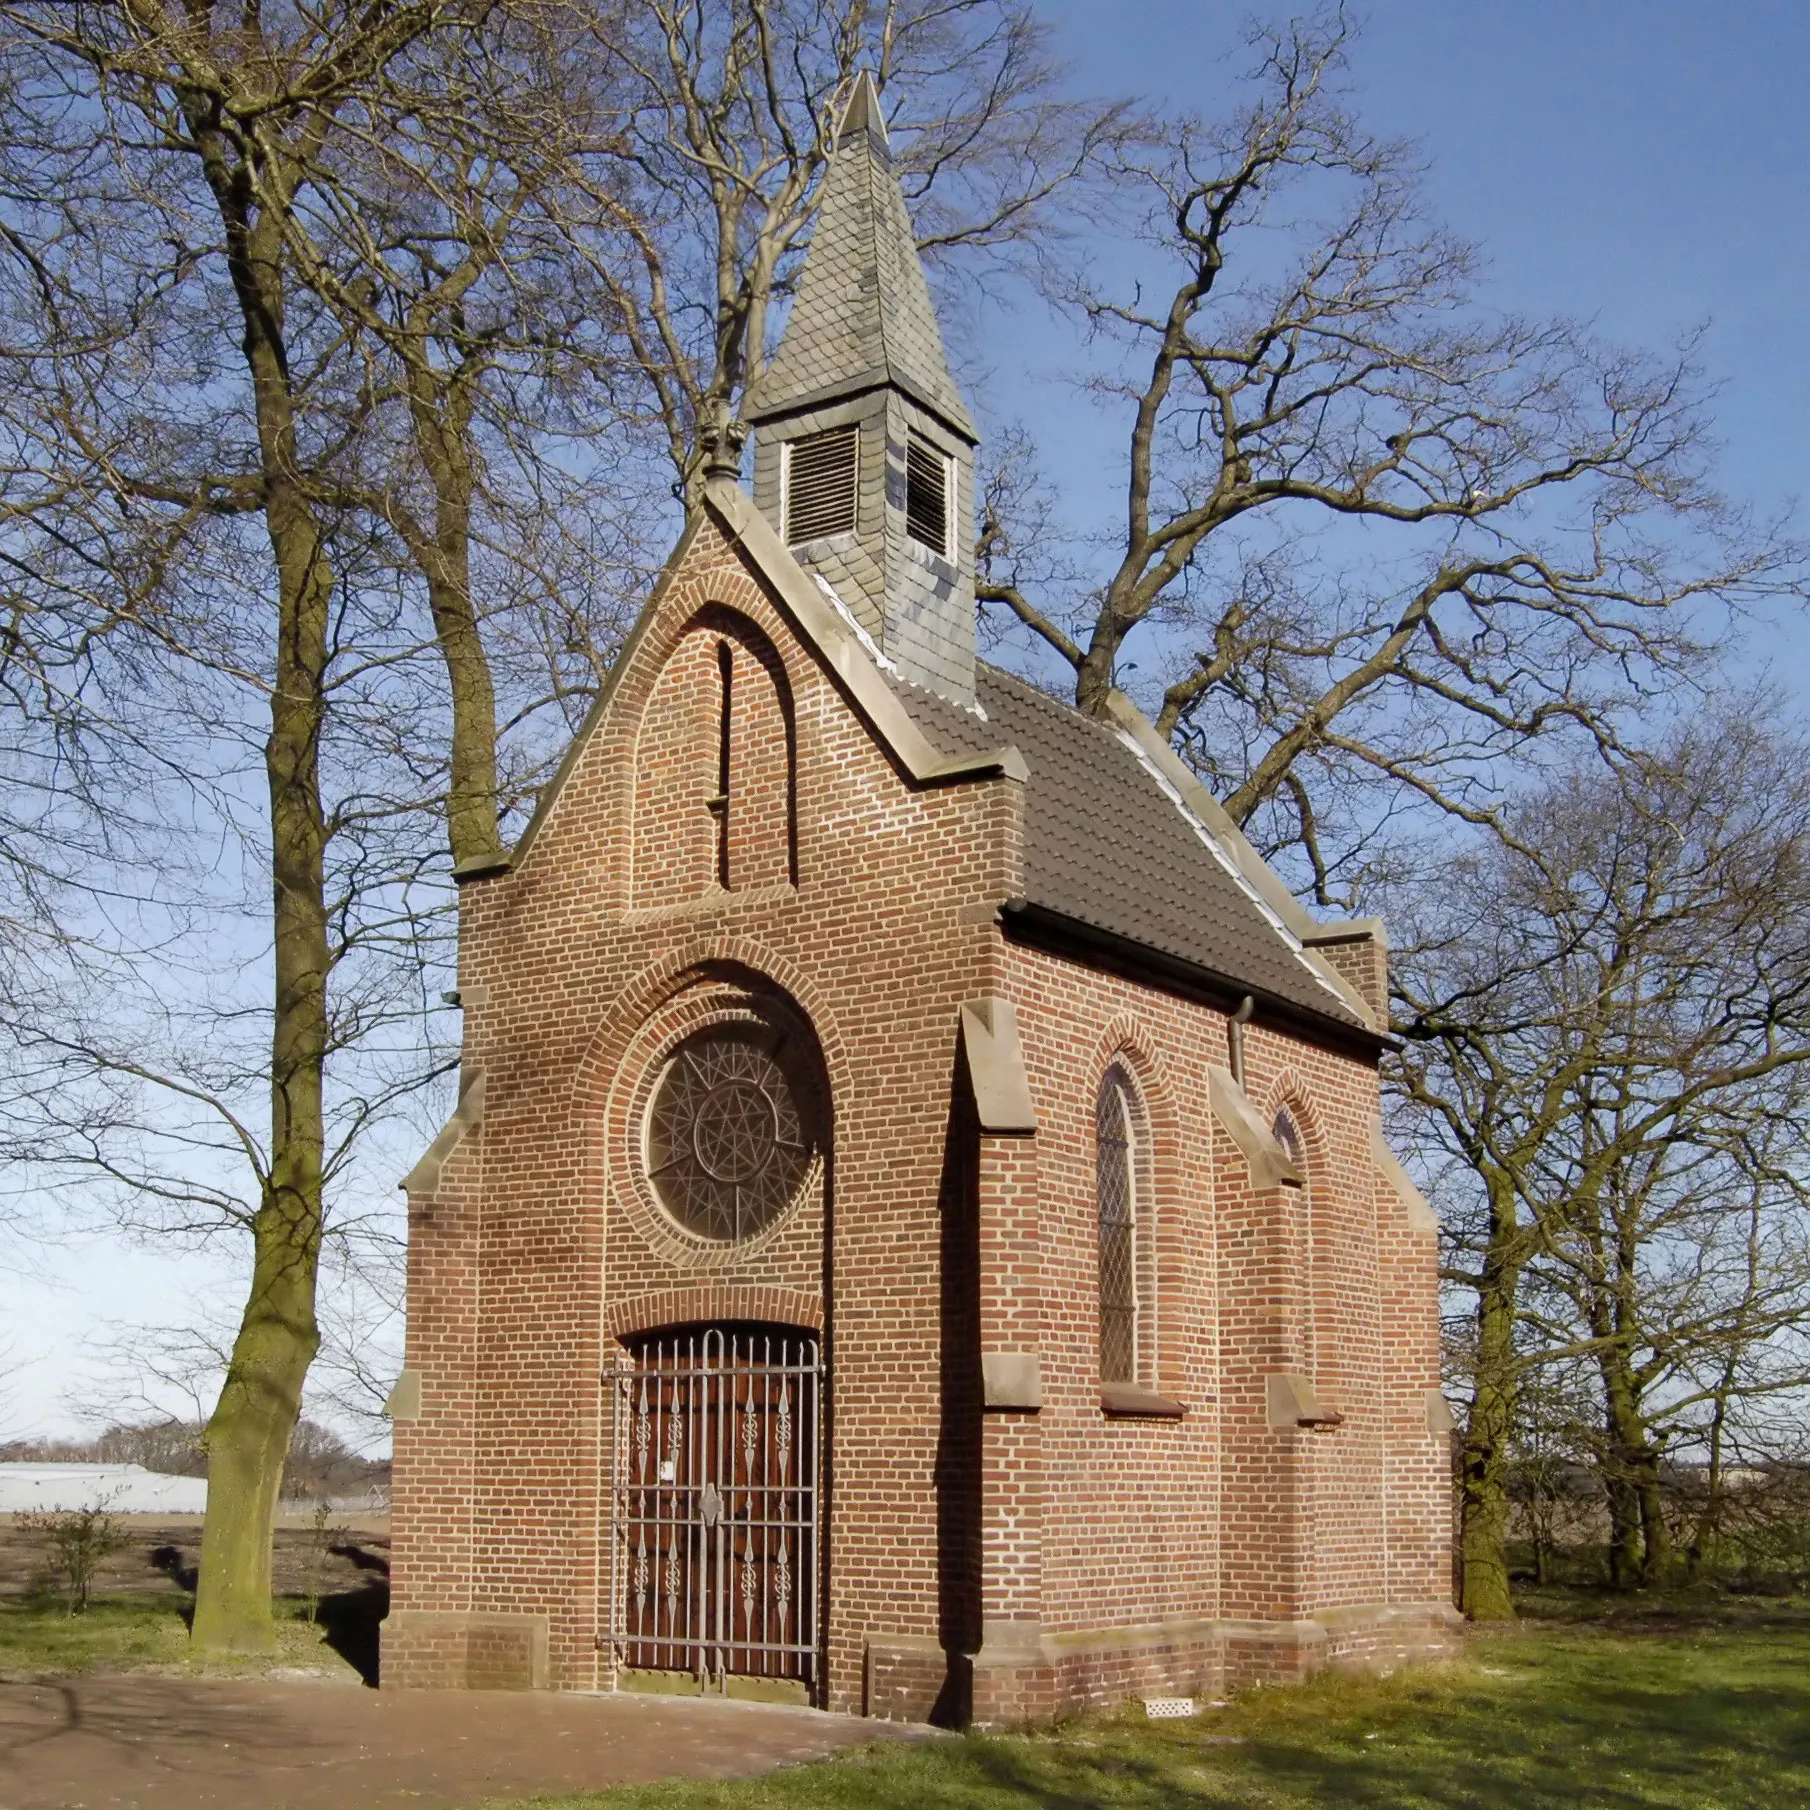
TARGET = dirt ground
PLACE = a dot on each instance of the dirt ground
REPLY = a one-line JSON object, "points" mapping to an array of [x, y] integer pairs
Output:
{"points": [[339, 1554], [148, 1743], [147, 1740]]}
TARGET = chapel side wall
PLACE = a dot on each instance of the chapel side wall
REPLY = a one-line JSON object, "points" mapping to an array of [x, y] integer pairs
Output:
{"points": [[1155, 1476], [886, 933], [1235, 1519]]}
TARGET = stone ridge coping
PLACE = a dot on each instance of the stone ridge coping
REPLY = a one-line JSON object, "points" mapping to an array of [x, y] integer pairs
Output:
{"points": [[1236, 846], [853, 668]]}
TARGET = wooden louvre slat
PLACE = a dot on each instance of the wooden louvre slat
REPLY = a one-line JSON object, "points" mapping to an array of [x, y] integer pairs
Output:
{"points": [[927, 495], [820, 485]]}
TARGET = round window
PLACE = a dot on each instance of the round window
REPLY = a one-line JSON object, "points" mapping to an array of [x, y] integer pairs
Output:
{"points": [[727, 1141]]}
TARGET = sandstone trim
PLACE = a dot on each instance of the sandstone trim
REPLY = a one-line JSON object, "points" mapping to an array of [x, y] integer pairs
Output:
{"points": [[468, 1115], [1011, 1379], [1270, 1165], [1002, 1091]]}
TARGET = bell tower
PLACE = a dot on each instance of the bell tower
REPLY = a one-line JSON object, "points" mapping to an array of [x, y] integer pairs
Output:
{"points": [[863, 447]]}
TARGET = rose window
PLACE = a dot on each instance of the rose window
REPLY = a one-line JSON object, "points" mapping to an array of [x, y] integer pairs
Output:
{"points": [[727, 1144]]}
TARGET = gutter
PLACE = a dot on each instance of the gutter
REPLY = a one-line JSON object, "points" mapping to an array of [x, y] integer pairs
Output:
{"points": [[1041, 925]]}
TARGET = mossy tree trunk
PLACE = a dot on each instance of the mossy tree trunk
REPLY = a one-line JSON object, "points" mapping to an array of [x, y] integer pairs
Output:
{"points": [[440, 409], [249, 1432], [1483, 1520]]}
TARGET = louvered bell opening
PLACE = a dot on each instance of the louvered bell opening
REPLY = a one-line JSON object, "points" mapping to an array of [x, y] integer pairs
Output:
{"points": [[820, 485], [927, 496]]}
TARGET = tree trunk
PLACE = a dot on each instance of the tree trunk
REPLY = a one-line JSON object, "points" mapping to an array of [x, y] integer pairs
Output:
{"points": [[441, 426], [1624, 1524], [248, 1435], [1655, 1530], [1483, 1502]]}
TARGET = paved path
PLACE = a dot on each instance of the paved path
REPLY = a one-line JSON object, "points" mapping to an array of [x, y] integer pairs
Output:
{"points": [[148, 1743]]}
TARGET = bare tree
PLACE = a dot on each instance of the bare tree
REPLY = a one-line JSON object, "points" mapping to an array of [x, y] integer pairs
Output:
{"points": [[1376, 538], [327, 343], [702, 196], [1607, 1018], [190, 133]]}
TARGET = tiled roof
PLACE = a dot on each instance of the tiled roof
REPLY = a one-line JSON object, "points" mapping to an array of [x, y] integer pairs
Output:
{"points": [[862, 314], [1108, 845]]}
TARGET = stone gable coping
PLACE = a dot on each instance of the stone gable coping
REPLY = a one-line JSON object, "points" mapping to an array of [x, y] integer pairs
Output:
{"points": [[809, 613]]}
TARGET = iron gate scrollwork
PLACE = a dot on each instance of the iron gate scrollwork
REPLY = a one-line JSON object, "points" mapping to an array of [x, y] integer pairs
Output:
{"points": [[714, 1538]]}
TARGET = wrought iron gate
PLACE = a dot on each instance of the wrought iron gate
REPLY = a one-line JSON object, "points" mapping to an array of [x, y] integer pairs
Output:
{"points": [[714, 1505]]}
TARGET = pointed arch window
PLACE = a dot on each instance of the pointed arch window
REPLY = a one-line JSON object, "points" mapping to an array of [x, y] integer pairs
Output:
{"points": [[1288, 1134], [1116, 1121]]}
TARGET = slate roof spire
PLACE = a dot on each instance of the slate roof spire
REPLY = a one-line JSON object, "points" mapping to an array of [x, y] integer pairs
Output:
{"points": [[862, 315], [863, 446]]}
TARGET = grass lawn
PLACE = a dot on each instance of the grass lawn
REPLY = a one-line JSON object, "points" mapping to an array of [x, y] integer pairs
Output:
{"points": [[1654, 1704], [39, 1638]]}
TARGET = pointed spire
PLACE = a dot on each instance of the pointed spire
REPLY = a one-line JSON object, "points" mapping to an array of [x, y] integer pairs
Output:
{"points": [[863, 114], [862, 316]]}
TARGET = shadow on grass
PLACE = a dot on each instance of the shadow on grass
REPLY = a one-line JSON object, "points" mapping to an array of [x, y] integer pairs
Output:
{"points": [[349, 1621], [174, 1564]]}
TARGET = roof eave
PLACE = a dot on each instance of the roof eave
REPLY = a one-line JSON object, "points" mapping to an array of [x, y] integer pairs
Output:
{"points": [[1061, 932]]}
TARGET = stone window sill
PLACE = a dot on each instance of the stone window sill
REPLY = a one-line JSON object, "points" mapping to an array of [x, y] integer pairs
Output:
{"points": [[1128, 1401]]}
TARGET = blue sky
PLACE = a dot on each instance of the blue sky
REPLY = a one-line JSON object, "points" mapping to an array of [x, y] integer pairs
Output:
{"points": [[1642, 166]]}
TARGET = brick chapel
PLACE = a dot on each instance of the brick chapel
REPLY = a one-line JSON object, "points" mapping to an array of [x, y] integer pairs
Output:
{"points": [[916, 1235]]}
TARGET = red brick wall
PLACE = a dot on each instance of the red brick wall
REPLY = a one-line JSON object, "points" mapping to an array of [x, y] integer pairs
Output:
{"points": [[860, 906]]}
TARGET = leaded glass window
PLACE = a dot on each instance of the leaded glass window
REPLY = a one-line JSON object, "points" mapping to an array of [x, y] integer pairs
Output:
{"points": [[1288, 1134], [1115, 1196], [728, 1138]]}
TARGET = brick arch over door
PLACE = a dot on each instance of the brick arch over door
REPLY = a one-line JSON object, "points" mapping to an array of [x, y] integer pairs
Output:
{"points": [[715, 786], [715, 1302]]}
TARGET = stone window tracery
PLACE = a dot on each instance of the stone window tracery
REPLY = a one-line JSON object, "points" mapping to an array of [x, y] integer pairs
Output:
{"points": [[729, 1138]]}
